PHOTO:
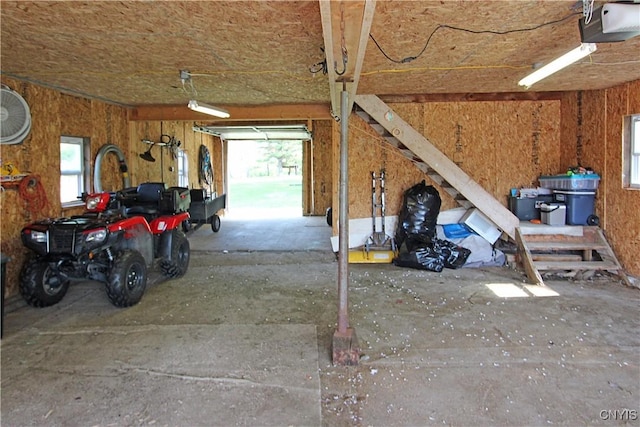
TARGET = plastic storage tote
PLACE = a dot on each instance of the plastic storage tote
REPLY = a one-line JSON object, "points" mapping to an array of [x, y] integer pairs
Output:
{"points": [[528, 208], [580, 205], [584, 182]]}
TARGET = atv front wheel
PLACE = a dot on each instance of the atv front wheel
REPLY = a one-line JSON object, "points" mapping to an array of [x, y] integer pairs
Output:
{"points": [[180, 254], [127, 280], [40, 286]]}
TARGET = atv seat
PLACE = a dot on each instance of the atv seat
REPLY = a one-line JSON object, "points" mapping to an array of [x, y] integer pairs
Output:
{"points": [[147, 200]]}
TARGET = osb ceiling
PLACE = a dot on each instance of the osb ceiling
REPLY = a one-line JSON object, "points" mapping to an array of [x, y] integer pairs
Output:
{"points": [[256, 53]]}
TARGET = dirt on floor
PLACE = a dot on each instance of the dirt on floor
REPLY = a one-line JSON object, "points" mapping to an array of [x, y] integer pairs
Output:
{"points": [[461, 347]]}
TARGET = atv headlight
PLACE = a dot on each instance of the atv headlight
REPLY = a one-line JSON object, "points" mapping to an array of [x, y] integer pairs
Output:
{"points": [[92, 202], [96, 236], [38, 236]]}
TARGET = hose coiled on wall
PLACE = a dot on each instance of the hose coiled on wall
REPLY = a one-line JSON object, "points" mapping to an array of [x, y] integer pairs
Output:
{"points": [[33, 194], [97, 177]]}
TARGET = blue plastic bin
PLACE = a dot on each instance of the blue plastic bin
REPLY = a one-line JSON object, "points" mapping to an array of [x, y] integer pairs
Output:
{"points": [[580, 205]]}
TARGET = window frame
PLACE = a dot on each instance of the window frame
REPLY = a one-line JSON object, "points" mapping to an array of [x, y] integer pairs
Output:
{"points": [[631, 152], [182, 168], [83, 173]]}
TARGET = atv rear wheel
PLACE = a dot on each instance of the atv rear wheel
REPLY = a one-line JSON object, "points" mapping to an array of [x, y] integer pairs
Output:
{"points": [[40, 286], [180, 253], [127, 280]]}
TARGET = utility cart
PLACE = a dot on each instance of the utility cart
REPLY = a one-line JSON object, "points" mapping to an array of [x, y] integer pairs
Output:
{"points": [[204, 209]]}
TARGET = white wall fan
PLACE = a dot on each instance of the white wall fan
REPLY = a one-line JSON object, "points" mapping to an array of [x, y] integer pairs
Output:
{"points": [[15, 117]]}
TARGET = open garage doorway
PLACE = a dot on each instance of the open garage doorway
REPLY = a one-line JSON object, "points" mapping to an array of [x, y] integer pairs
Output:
{"points": [[264, 179], [275, 200]]}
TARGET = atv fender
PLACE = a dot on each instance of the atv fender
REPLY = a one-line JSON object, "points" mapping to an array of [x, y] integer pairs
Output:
{"points": [[165, 244], [164, 226], [136, 236], [168, 222], [127, 224]]}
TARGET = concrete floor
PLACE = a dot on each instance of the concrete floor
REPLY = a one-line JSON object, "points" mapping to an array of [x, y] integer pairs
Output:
{"points": [[244, 338]]}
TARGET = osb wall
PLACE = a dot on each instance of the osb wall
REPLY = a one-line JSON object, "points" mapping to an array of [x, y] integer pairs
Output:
{"points": [[322, 167], [53, 114], [501, 145], [592, 137], [369, 153], [165, 168]]}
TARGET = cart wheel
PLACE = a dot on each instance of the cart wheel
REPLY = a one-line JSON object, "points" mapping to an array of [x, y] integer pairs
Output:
{"points": [[593, 220], [215, 223], [186, 226]]}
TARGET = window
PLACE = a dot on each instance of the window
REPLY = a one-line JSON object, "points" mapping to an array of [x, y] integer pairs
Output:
{"points": [[183, 169], [74, 169], [631, 153]]}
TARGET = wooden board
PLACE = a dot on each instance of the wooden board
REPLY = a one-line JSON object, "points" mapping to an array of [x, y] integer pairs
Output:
{"points": [[423, 149]]}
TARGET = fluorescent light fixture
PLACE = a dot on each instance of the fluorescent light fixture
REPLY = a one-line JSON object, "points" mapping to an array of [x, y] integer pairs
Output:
{"points": [[208, 109], [558, 64]]}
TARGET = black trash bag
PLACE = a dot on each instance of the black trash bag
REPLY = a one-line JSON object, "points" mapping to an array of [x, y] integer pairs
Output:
{"points": [[424, 258], [418, 216], [453, 256]]}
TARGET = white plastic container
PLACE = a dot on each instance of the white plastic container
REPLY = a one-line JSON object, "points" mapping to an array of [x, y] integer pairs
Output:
{"points": [[482, 225], [553, 213]]}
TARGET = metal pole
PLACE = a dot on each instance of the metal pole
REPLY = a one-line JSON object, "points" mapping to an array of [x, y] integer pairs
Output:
{"points": [[343, 221], [373, 204], [382, 204]]}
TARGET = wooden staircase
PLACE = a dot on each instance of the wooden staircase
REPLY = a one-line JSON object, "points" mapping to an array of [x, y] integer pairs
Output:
{"points": [[540, 247], [564, 248], [435, 164]]}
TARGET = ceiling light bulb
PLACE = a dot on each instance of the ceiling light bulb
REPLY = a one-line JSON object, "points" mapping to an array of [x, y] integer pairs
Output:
{"points": [[557, 64], [208, 109]]}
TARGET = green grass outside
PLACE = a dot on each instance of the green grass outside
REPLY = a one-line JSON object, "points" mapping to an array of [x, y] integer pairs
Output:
{"points": [[266, 193]]}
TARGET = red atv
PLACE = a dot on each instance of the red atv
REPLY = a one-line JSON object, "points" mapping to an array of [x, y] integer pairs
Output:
{"points": [[115, 241]]}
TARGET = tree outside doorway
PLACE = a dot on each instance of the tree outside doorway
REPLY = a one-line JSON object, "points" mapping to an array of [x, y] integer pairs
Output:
{"points": [[265, 179]]}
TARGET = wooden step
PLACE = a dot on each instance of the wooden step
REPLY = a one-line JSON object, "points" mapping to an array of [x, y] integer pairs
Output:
{"points": [[581, 265], [363, 114], [556, 257], [565, 246], [587, 239]]}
